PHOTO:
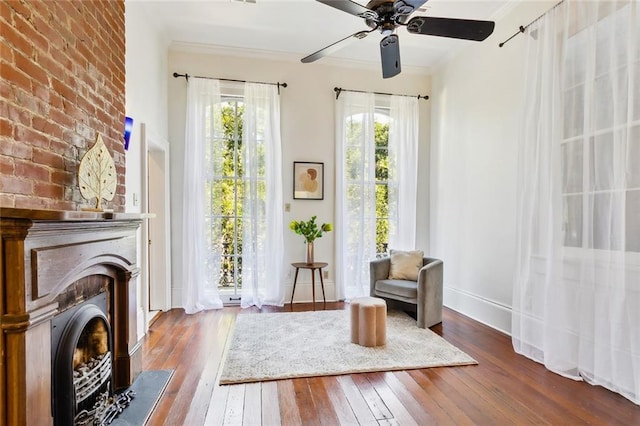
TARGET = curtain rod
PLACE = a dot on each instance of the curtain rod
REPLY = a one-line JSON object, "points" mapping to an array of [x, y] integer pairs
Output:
{"points": [[186, 76], [522, 29], [339, 90]]}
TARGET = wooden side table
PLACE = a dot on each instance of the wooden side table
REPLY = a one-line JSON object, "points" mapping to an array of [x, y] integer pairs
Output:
{"points": [[313, 267]]}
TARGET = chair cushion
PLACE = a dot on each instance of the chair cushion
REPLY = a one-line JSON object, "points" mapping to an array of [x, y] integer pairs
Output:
{"points": [[405, 264], [401, 289]]}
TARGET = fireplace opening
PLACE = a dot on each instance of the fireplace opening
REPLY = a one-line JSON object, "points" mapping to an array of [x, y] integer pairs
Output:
{"points": [[82, 362], [91, 363]]}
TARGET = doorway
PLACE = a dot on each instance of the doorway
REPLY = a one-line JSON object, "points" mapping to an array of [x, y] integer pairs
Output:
{"points": [[156, 229]]}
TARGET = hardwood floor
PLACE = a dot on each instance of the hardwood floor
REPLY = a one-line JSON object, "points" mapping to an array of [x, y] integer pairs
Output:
{"points": [[504, 388]]}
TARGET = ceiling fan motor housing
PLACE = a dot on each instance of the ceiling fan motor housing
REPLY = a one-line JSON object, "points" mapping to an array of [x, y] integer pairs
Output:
{"points": [[384, 17]]}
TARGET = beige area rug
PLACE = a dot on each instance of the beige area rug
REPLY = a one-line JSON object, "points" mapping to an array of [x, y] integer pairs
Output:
{"points": [[305, 344]]}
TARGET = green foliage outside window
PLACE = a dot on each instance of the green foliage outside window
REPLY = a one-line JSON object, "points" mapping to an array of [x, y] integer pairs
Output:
{"points": [[382, 187], [225, 193], [225, 188], [355, 174]]}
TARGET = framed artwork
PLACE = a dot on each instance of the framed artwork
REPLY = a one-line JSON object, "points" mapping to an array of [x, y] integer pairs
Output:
{"points": [[308, 181]]}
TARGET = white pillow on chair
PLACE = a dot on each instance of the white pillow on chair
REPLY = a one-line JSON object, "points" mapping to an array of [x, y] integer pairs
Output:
{"points": [[405, 264]]}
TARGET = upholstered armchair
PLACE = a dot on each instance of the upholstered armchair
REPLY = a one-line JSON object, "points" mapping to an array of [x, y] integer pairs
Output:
{"points": [[423, 296]]}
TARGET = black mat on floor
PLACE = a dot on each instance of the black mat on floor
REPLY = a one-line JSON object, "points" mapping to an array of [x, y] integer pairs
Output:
{"points": [[148, 386]]}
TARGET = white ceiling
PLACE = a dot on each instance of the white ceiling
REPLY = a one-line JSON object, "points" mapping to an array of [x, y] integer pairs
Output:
{"points": [[297, 28]]}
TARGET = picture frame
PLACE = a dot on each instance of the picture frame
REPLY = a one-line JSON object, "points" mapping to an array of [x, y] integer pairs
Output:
{"points": [[308, 180]]}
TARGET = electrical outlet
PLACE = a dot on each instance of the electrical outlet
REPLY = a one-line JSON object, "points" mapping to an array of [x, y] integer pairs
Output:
{"points": [[289, 274], [326, 274], [287, 207]]}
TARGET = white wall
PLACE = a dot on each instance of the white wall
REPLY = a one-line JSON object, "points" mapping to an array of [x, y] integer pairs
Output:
{"points": [[146, 102], [471, 122], [476, 103], [307, 117], [146, 89]]}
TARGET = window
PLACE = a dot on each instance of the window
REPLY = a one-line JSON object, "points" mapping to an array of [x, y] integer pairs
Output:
{"points": [[357, 179], [381, 131], [232, 233], [224, 187], [376, 171], [597, 136]]}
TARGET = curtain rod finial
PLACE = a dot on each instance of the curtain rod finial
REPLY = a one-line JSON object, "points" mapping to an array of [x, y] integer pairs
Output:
{"points": [[185, 75]]}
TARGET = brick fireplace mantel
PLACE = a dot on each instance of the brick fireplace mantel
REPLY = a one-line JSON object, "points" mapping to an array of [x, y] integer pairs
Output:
{"points": [[43, 253]]}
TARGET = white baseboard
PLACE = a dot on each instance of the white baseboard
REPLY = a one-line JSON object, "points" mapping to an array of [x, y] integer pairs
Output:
{"points": [[486, 311], [303, 293]]}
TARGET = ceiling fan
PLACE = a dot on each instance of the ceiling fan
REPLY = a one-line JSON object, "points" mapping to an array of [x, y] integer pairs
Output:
{"points": [[387, 15]]}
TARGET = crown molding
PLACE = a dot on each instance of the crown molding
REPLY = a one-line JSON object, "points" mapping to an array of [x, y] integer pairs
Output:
{"points": [[242, 52]]}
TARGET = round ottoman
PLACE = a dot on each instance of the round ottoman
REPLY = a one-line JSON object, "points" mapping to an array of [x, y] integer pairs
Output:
{"points": [[368, 321]]}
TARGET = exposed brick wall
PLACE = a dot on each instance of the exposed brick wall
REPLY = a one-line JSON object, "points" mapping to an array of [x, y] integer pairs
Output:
{"points": [[62, 81]]}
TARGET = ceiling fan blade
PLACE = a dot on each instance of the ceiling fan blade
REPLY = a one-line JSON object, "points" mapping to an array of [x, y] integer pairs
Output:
{"points": [[390, 55], [350, 7], [334, 47], [466, 29]]}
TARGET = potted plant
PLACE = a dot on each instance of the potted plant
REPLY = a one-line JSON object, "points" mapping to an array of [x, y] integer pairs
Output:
{"points": [[310, 231]]}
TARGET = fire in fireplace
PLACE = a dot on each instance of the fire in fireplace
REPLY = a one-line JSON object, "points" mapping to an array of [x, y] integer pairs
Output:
{"points": [[82, 365]]}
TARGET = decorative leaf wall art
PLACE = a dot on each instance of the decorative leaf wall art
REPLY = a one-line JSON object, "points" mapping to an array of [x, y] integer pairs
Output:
{"points": [[97, 174]]}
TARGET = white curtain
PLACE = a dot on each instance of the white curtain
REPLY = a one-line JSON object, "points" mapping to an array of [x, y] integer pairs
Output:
{"points": [[355, 193], [576, 306], [403, 172], [356, 184], [200, 261], [262, 222]]}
